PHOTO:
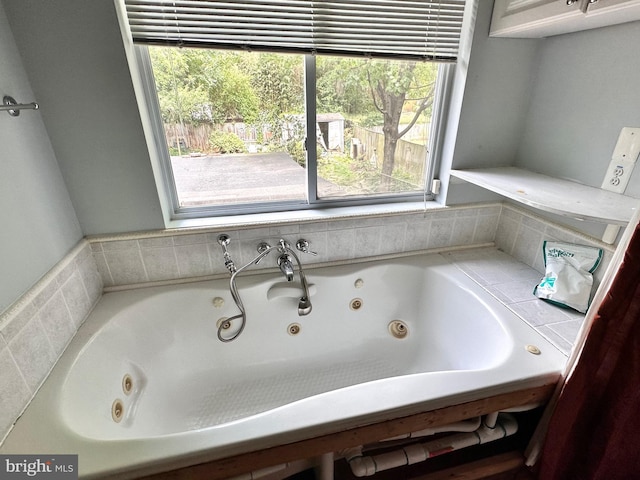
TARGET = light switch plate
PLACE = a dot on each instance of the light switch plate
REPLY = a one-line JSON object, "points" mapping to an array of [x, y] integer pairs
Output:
{"points": [[628, 146], [618, 174]]}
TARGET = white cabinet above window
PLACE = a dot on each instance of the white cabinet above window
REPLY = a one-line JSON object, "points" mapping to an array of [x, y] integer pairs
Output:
{"points": [[543, 18]]}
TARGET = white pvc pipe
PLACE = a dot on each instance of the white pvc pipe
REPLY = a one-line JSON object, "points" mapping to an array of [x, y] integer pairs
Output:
{"points": [[464, 426], [362, 466], [490, 420], [263, 472], [324, 471]]}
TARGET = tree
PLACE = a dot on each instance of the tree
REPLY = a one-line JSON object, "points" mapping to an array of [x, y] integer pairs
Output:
{"points": [[278, 82], [341, 86], [380, 92], [389, 84], [202, 86]]}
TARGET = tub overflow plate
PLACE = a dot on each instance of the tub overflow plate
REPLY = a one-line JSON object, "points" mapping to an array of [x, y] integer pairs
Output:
{"points": [[532, 349]]}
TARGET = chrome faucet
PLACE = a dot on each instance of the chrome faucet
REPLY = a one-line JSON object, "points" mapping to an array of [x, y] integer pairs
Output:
{"points": [[286, 267], [284, 260]]}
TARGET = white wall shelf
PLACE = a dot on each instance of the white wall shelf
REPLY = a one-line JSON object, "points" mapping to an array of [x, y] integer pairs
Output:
{"points": [[549, 194]]}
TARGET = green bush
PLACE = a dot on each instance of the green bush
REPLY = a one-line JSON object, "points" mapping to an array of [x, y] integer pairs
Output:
{"points": [[226, 142], [295, 148], [174, 152]]}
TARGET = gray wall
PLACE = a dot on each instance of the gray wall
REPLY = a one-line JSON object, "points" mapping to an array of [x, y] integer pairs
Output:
{"points": [[495, 102], [586, 90], [39, 224], [74, 57], [553, 106], [499, 81]]}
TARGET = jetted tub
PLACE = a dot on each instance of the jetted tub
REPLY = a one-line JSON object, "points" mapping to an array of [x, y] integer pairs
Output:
{"points": [[146, 382]]}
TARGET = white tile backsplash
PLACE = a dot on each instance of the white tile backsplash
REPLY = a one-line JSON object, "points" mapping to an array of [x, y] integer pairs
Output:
{"points": [[521, 234], [56, 322], [164, 256], [160, 262], [33, 353], [35, 330], [15, 391]]}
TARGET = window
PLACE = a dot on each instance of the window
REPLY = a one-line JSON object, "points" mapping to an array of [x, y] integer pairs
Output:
{"points": [[281, 105]]}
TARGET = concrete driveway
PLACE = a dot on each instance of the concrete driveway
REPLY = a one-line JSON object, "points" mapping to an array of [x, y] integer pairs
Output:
{"points": [[245, 178]]}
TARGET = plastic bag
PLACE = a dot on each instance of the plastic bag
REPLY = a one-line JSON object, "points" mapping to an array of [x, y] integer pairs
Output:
{"points": [[568, 274]]}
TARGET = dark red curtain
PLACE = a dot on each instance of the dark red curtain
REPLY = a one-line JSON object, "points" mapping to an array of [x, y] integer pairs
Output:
{"points": [[594, 432]]}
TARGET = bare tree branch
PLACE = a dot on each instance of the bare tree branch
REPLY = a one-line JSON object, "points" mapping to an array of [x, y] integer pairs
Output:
{"points": [[373, 94], [426, 103]]}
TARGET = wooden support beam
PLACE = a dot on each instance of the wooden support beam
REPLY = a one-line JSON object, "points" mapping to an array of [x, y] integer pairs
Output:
{"points": [[484, 468]]}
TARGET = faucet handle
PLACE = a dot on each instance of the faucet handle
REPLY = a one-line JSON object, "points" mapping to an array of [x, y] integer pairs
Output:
{"points": [[303, 246], [224, 240], [262, 247]]}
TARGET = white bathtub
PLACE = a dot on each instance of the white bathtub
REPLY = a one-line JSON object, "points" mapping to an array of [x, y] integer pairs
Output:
{"points": [[193, 397]]}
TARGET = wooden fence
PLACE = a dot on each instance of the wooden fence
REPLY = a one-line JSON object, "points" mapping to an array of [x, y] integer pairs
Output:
{"points": [[196, 138], [409, 157]]}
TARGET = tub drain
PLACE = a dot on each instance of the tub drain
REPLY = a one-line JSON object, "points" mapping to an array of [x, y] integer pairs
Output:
{"points": [[117, 410], [398, 329]]}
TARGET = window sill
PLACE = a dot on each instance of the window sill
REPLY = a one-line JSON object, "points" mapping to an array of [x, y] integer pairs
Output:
{"points": [[337, 213]]}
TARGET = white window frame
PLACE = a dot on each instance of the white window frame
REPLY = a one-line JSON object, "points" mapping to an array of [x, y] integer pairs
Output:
{"points": [[446, 118], [436, 136]]}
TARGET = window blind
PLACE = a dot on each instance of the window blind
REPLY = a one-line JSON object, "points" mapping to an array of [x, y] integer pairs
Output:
{"points": [[412, 29]]}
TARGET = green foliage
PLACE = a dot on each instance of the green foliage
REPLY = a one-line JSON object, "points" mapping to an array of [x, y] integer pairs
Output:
{"points": [[295, 149], [359, 176], [338, 169], [288, 133], [202, 86], [341, 86], [278, 81], [226, 142], [371, 120], [266, 90]]}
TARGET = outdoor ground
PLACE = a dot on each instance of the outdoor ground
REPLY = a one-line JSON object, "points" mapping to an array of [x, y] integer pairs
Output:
{"points": [[259, 177]]}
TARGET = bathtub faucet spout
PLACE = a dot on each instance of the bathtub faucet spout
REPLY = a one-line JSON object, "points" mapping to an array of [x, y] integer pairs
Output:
{"points": [[286, 267]]}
